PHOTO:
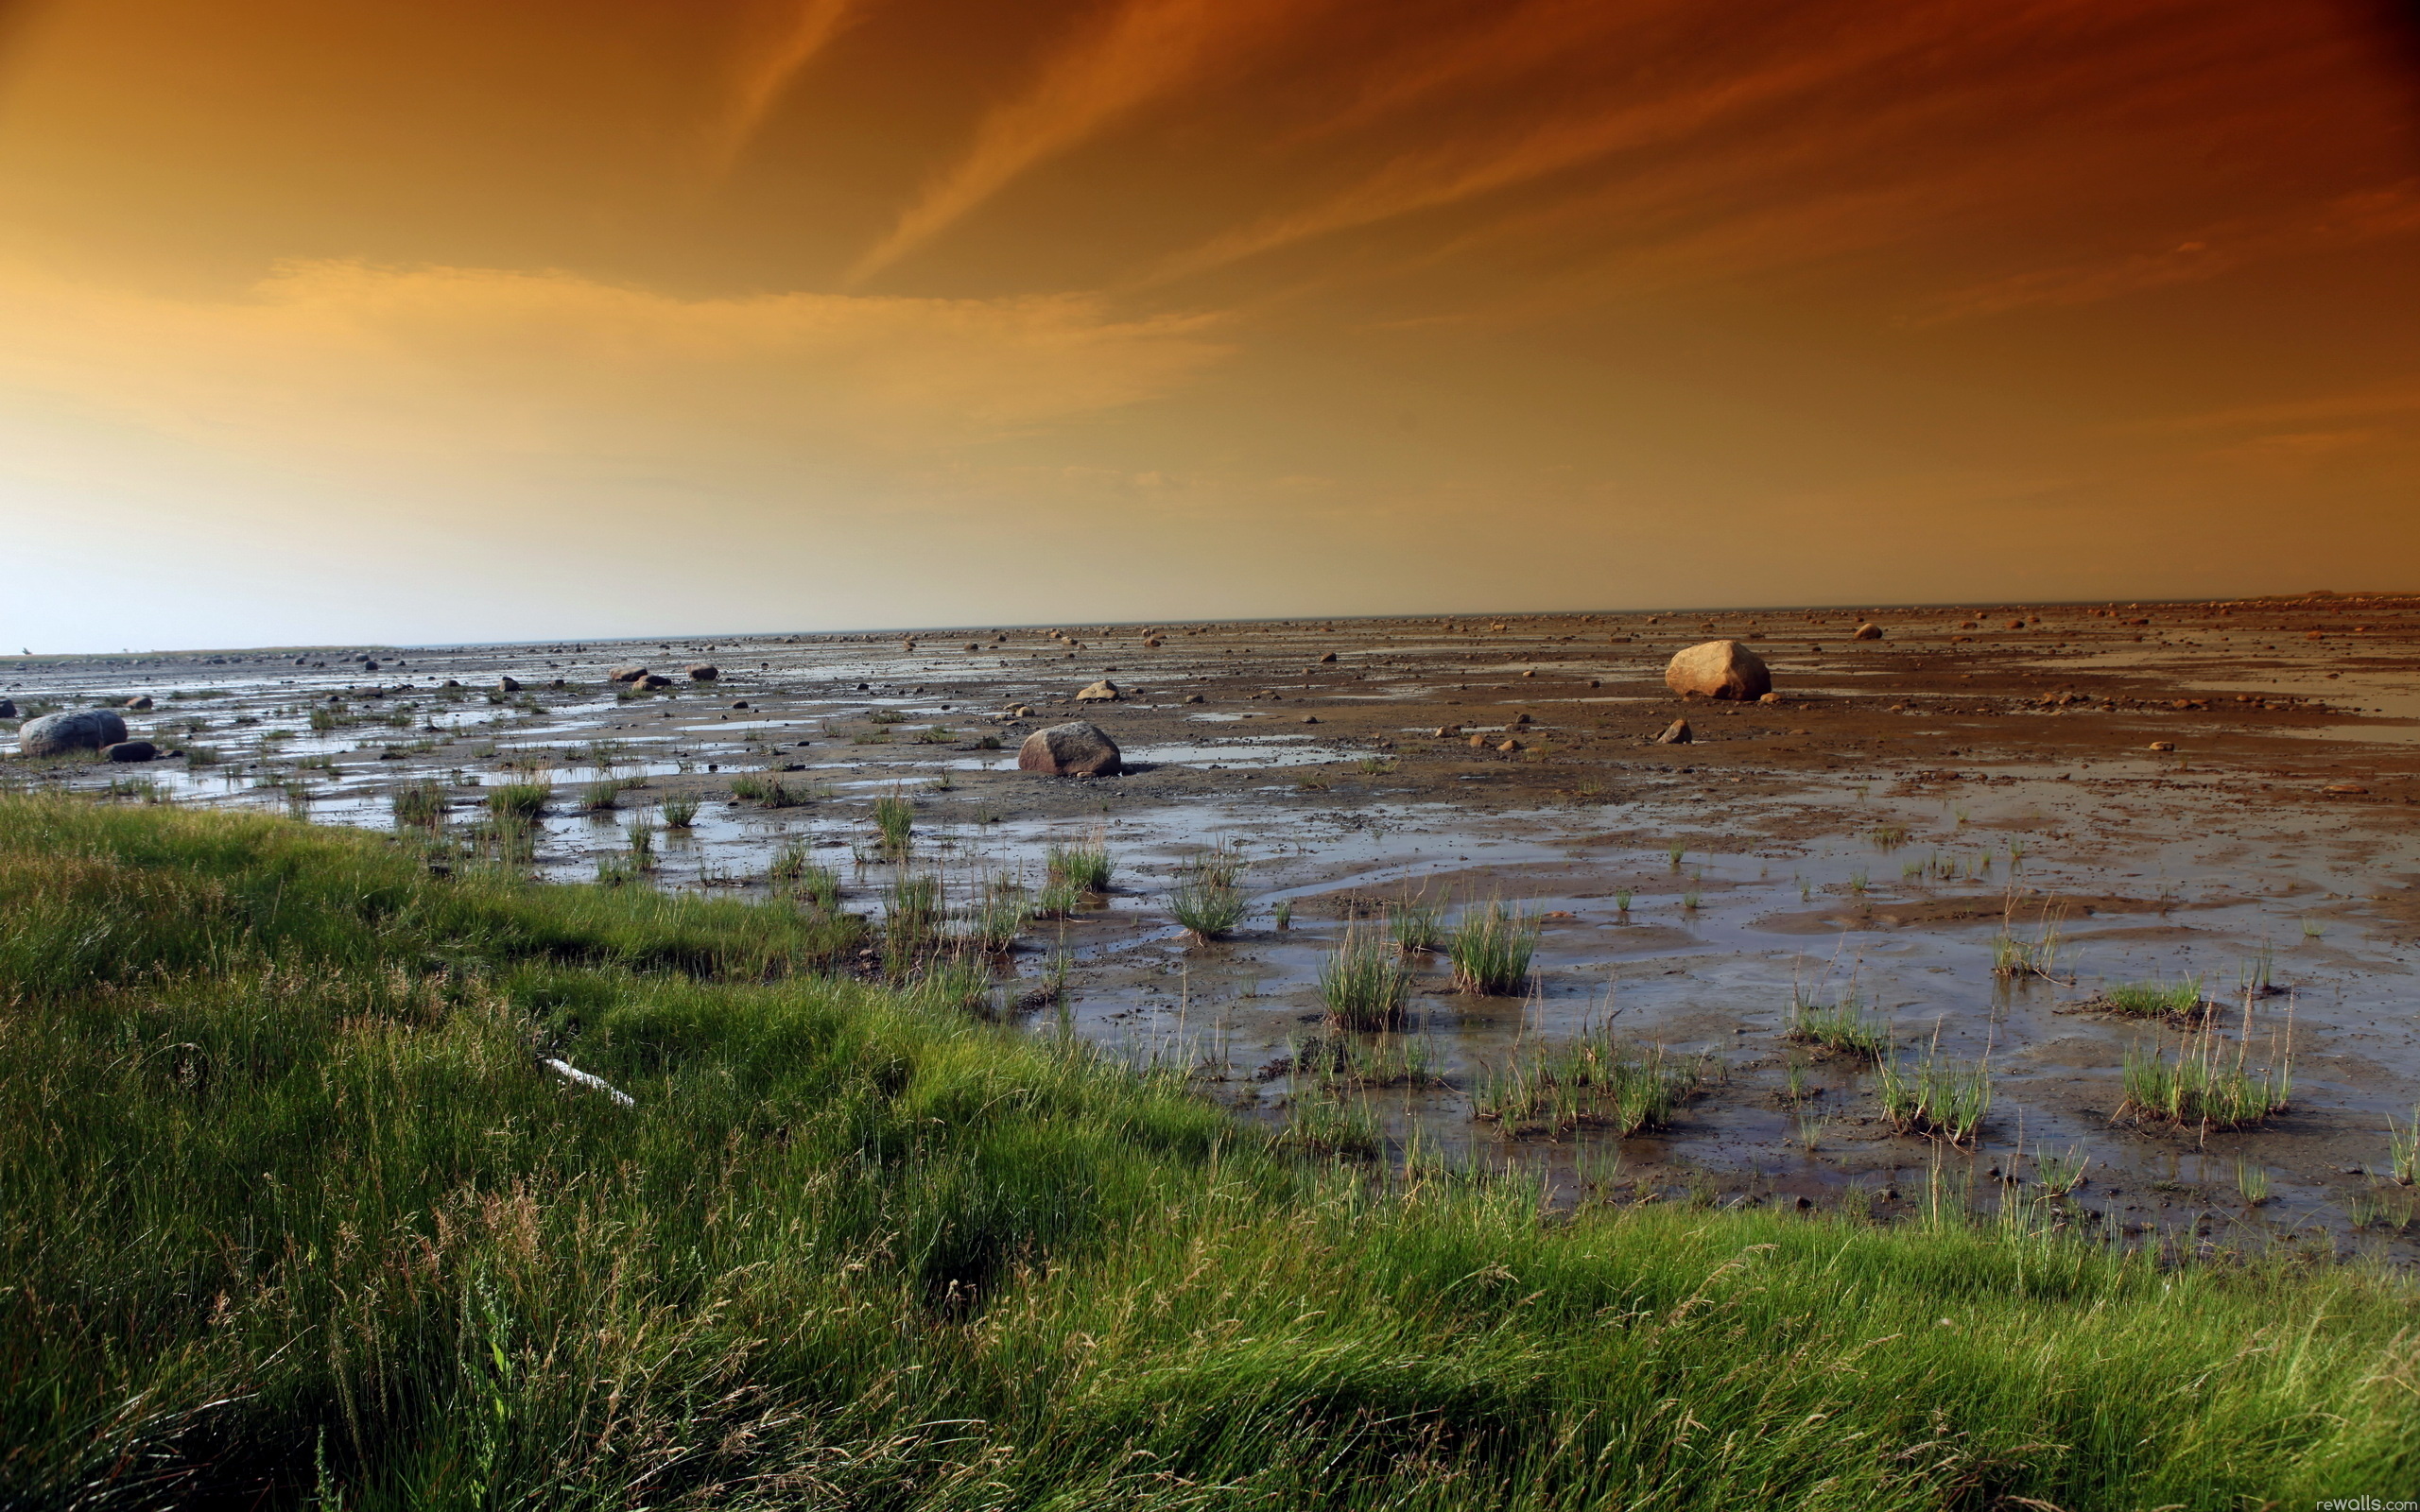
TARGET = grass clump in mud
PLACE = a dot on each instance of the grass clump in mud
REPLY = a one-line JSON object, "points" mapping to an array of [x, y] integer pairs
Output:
{"points": [[2199, 1087], [894, 821], [1365, 983], [1417, 924], [767, 791], [519, 802], [300, 1215], [2180, 1000], [1491, 947], [1844, 1027], [1940, 1097], [420, 804], [1085, 867], [1593, 1082]]}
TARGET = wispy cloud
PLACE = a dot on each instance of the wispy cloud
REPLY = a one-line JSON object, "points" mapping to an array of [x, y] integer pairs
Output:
{"points": [[1144, 50], [787, 36], [482, 367], [1455, 171], [2351, 220]]}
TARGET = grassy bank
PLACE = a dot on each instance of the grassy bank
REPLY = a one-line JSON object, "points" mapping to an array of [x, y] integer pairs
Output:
{"points": [[293, 1215]]}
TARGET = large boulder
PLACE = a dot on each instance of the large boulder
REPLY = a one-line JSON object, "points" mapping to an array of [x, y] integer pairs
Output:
{"points": [[1867, 631], [704, 672], [7, 708], [73, 731], [508, 684], [130, 751], [651, 683], [1719, 669], [1102, 692], [627, 672], [1077, 750]]}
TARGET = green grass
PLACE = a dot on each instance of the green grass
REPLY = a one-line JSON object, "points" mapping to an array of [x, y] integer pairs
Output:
{"points": [[295, 1218], [1416, 923], [1208, 910], [1086, 868], [1940, 1097], [2156, 1000], [1491, 947], [894, 819], [767, 791], [1365, 983], [1843, 1029], [519, 800], [679, 812], [419, 804], [1593, 1082], [2200, 1088]]}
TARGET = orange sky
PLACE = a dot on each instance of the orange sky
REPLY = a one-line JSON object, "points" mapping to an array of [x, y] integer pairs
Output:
{"points": [[452, 320]]}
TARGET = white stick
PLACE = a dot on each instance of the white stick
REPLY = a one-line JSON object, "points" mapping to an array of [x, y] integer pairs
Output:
{"points": [[572, 1073]]}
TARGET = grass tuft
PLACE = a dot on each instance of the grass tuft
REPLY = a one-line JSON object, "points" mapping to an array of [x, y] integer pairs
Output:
{"points": [[1491, 949], [1365, 983]]}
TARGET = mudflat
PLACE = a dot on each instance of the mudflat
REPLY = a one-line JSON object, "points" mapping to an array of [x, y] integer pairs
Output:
{"points": [[2020, 845]]}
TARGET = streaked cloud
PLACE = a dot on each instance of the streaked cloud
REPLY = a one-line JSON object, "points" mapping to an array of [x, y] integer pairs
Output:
{"points": [[783, 39], [481, 365], [1145, 49]]}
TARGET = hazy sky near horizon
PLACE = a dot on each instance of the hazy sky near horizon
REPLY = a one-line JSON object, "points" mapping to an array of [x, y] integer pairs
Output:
{"points": [[450, 320]]}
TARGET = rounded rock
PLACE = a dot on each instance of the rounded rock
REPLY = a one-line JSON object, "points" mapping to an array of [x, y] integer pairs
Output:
{"points": [[75, 729], [1075, 750], [704, 672], [1102, 692], [130, 751], [1718, 669]]}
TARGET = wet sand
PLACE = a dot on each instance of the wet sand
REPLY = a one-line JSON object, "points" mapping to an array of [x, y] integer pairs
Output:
{"points": [[1904, 802]]}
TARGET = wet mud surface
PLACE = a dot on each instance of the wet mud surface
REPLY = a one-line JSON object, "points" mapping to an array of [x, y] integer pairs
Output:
{"points": [[2224, 795]]}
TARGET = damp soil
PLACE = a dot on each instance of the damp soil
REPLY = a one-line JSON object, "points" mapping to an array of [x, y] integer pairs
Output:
{"points": [[2227, 793]]}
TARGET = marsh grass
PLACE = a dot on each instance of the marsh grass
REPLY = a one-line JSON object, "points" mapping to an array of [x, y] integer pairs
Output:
{"points": [[1941, 1097], [1209, 910], [520, 801], [2202, 1088], [1085, 867], [2252, 1183], [768, 791], [679, 812], [793, 875], [601, 798], [2180, 1000], [1365, 983], [1491, 947], [1416, 923], [419, 804], [997, 916], [1592, 1082], [1844, 1027], [2060, 1175], [894, 821], [2403, 1150], [295, 1219]]}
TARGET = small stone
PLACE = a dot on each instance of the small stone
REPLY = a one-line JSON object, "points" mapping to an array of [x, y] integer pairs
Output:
{"points": [[508, 685], [1867, 631], [1479, 740], [741, 703], [1508, 747], [1310, 719], [7, 708], [130, 751], [1448, 731], [1194, 698], [1329, 656], [652, 682], [141, 700], [1154, 642], [2345, 787], [1102, 692], [2163, 744], [1677, 733]]}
